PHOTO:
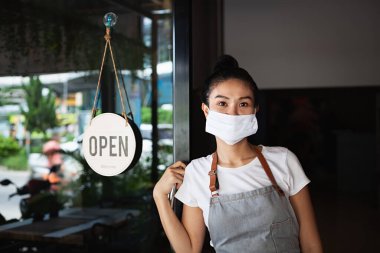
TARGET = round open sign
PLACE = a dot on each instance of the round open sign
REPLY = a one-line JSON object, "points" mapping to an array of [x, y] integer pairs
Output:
{"points": [[110, 145]]}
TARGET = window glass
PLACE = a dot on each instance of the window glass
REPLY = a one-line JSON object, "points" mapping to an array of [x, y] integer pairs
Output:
{"points": [[50, 61]]}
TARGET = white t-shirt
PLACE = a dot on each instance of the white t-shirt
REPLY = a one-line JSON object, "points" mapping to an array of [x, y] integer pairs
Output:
{"points": [[284, 165]]}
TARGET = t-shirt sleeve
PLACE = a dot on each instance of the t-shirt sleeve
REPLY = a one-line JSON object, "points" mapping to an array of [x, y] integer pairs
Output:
{"points": [[297, 178], [184, 193]]}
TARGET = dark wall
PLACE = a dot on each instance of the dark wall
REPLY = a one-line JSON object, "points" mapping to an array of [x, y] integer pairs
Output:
{"points": [[334, 133]]}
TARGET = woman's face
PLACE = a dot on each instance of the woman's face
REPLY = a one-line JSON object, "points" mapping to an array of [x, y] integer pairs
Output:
{"points": [[232, 97]]}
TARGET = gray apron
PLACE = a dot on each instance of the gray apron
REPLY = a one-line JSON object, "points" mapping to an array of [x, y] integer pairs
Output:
{"points": [[261, 220]]}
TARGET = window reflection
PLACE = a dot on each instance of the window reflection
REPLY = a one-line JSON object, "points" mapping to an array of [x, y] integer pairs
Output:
{"points": [[63, 54]]}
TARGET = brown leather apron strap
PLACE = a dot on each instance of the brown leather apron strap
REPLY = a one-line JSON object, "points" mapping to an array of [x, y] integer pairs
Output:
{"points": [[214, 186], [268, 171]]}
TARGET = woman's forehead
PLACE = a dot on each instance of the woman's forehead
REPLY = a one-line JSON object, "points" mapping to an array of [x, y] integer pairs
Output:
{"points": [[231, 88]]}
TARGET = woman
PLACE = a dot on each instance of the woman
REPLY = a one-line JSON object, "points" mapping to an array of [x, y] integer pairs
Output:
{"points": [[251, 198]]}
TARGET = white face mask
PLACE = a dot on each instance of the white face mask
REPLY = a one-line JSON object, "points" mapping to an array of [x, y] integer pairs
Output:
{"points": [[231, 128]]}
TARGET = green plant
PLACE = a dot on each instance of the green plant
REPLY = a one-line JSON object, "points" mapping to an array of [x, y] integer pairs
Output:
{"points": [[146, 115], [137, 179], [8, 147], [17, 161], [40, 114], [164, 116]]}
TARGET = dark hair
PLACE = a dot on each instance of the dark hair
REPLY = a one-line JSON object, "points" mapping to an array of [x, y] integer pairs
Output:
{"points": [[227, 68]]}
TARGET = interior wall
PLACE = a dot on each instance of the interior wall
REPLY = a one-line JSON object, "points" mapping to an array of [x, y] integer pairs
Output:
{"points": [[305, 43]]}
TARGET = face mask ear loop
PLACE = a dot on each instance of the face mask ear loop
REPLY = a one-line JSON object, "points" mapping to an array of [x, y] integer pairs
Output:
{"points": [[207, 110]]}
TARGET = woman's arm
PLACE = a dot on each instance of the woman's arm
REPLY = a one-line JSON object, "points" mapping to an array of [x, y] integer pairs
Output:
{"points": [[303, 208], [187, 236]]}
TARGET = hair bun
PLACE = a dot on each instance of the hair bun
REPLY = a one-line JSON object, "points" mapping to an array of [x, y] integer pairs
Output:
{"points": [[226, 62]]}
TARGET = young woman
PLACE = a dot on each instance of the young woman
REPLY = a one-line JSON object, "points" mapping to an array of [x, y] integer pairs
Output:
{"points": [[251, 198]]}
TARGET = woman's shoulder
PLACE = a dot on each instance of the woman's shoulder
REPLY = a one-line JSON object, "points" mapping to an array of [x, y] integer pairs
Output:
{"points": [[274, 150], [201, 161], [201, 164], [287, 168], [279, 153]]}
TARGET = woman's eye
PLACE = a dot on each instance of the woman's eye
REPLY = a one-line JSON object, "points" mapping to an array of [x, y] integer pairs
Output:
{"points": [[222, 103], [244, 104]]}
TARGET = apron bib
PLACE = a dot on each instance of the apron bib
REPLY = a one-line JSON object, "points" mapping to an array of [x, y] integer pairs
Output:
{"points": [[261, 220]]}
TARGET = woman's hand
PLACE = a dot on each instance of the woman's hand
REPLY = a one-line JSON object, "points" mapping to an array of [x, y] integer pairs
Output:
{"points": [[173, 175]]}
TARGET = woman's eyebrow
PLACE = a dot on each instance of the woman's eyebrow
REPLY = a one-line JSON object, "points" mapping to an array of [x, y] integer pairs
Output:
{"points": [[247, 97], [241, 98], [221, 96]]}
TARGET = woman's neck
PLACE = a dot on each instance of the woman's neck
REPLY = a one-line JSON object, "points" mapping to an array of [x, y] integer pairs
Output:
{"points": [[232, 156]]}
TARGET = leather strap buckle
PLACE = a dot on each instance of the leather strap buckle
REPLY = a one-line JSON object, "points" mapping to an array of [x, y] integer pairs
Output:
{"points": [[214, 185], [212, 173]]}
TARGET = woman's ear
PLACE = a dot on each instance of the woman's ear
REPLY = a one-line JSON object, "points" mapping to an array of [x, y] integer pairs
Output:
{"points": [[257, 109], [205, 109]]}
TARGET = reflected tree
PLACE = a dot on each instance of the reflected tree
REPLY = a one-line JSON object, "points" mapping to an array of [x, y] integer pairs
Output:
{"points": [[40, 112]]}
